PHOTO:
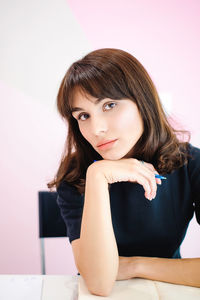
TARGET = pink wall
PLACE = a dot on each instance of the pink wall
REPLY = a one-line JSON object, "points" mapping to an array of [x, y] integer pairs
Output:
{"points": [[164, 36], [39, 44]]}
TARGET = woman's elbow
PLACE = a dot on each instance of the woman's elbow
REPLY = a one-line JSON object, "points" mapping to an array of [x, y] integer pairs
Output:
{"points": [[104, 292], [100, 287]]}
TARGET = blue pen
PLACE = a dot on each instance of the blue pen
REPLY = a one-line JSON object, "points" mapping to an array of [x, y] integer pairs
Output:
{"points": [[160, 177]]}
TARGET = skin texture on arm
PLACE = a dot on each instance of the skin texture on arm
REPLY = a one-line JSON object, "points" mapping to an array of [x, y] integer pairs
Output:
{"points": [[185, 271], [98, 257]]}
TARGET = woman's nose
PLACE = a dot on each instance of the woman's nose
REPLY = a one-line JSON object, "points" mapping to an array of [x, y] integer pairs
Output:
{"points": [[99, 125]]}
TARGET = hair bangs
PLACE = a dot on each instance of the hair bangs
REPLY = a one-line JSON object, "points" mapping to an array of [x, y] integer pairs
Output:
{"points": [[98, 83]]}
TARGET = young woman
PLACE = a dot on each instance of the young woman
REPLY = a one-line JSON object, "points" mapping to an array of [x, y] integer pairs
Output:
{"points": [[122, 221]]}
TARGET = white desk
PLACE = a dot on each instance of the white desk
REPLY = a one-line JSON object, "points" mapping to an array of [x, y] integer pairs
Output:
{"points": [[66, 287], [143, 289], [38, 287]]}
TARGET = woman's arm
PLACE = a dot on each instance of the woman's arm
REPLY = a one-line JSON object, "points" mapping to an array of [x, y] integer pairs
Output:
{"points": [[98, 254], [98, 258], [185, 271]]}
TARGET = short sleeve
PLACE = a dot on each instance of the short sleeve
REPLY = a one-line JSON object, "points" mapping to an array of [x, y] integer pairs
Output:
{"points": [[70, 202], [194, 173]]}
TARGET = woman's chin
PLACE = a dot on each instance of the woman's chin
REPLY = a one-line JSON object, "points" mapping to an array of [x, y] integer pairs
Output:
{"points": [[112, 157]]}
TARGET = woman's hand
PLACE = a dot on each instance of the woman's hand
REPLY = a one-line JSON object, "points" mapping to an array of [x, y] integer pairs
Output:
{"points": [[132, 170], [127, 268]]}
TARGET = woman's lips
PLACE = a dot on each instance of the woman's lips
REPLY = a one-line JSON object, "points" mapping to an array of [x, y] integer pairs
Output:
{"points": [[107, 145]]}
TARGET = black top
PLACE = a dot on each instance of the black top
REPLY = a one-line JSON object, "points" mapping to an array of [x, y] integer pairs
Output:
{"points": [[144, 228]]}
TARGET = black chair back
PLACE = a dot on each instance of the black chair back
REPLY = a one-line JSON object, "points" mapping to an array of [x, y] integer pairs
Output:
{"points": [[51, 223]]}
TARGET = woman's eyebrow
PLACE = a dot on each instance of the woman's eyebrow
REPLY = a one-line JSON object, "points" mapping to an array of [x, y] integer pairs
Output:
{"points": [[81, 109]]}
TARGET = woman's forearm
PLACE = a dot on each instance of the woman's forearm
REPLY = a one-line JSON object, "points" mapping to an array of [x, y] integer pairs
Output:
{"points": [[185, 271], [98, 259]]}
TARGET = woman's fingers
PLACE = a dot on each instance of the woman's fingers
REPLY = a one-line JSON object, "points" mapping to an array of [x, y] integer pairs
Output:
{"points": [[148, 171], [151, 167], [131, 170], [147, 185]]}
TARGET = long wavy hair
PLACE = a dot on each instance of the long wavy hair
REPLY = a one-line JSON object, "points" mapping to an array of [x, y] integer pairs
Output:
{"points": [[116, 74]]}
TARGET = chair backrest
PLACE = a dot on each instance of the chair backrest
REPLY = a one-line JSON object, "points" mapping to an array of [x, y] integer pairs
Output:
{"points": [[51, 223]]}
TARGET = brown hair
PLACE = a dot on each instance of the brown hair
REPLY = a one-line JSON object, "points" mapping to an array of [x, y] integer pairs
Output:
{"points": [[116, 74]]}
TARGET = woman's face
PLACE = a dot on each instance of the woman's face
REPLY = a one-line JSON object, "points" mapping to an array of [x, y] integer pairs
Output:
{"points": [[108, 120]]}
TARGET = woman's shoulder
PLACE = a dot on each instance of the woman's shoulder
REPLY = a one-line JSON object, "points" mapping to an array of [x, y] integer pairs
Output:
{"points": [[65, 186], [193, 149], [194, 159], [66, 190], [194, 153]]}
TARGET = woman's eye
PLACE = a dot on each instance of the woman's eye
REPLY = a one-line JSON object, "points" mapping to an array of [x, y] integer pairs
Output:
{"points": [[108, 104], [79, 117], [111, 103]]}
